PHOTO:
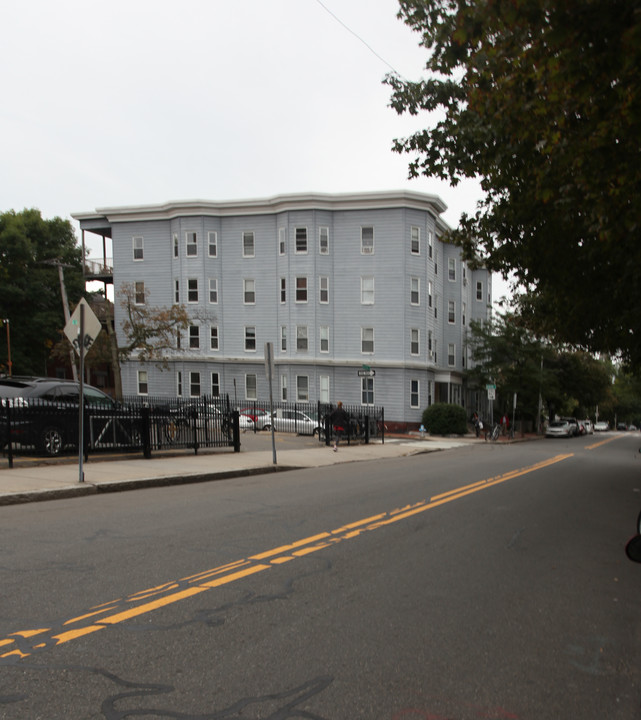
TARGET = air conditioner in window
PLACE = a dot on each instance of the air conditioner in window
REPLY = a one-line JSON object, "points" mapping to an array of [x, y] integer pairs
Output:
{"points": [[367, 250]]}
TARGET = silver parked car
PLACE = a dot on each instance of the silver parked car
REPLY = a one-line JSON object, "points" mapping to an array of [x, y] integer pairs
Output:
{"points": [[559, 428], [294, 421]]}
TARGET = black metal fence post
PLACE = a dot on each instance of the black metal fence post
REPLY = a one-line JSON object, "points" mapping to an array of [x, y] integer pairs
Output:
{"points": [[145, 430], [235, 425], [9, 443]]}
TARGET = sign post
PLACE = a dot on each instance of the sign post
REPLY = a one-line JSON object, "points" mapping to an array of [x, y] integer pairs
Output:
{"points": [[269, 372], [82, 329]]}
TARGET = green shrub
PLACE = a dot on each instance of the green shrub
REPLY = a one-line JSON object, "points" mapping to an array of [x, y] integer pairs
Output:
{"points": [[445, 419]]}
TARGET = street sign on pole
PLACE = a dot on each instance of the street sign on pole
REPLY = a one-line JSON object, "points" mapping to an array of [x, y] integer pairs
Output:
{"points": [[491, 394], [366, 373], [92, 327]]}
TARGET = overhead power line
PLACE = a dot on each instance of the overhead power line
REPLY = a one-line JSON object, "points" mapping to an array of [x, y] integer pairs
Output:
{"points": [[358, 37]]}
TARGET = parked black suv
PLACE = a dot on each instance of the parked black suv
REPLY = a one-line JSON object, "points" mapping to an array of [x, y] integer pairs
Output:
{"points": [[44, 415]]}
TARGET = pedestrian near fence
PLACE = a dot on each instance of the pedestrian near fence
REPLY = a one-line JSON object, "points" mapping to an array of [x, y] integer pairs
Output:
{"points": [[339, 420]]}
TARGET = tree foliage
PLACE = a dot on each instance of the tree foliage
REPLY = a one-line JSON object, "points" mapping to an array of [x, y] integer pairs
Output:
{"points": [[30, 295], [507, 353], [150, 331], [445, 419], [541, 101]]}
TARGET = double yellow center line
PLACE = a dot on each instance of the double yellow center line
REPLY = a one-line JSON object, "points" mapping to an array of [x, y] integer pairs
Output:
{"points": [[23, 643]]}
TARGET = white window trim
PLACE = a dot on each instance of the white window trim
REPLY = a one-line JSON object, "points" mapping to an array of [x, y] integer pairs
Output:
{"points": [[451, 313], [298, 395], [368, 352], [301, 277], [255, 388], [320, 338], [418, 393], [212, 234], [189, 292], [188, 233], [451, 269], [418, 291], [140, 381], [245, 338], [306, 250], [366, 250], [213, 287], [373, 291], [141, 248], [321, 289], [418, 240], [245, 301], [306, 349], [418, 341], [211, 338], [253, 243], [322, 251]]}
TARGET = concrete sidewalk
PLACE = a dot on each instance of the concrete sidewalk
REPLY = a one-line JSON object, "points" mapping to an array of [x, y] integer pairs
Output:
{"points": [[50, 480]]}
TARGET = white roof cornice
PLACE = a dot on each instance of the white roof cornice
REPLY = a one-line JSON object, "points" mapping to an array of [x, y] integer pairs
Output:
{"points": [[270, 206]]}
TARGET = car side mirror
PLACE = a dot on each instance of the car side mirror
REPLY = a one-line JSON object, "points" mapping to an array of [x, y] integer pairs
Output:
{"points": [[633, 549]]}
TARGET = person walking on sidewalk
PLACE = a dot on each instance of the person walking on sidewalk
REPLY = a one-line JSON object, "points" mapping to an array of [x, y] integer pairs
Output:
{"points": [[339, 420]]}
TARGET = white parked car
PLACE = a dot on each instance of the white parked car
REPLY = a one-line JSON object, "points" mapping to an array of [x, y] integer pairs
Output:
{"points": [[559, 428], [601, 426], [587, 428]]}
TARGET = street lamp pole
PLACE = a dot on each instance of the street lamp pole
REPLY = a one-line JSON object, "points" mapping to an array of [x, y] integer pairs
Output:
{"points": [[9, 363]]}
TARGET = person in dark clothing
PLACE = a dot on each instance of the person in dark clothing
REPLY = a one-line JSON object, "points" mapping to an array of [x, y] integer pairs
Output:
{"points": [[339, 420]]}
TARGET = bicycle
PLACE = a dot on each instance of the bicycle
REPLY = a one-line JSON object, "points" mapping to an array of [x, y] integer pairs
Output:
{"points": [[494, 432]]}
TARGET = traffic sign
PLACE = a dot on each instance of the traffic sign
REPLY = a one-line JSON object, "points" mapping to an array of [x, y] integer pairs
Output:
{"points": [[92, 327], [366, 373]]}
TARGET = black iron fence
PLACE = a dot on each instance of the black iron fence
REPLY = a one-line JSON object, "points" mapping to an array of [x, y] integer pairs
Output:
{"points": [[366, 421], [135, 424]]}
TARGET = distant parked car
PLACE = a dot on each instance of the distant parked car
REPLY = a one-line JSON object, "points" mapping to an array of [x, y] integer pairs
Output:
{"points": [[574, 425], [632, 427], [622, 427], [586, 427], [258, 416], [601, 426], [294, 421], [559, 428]]}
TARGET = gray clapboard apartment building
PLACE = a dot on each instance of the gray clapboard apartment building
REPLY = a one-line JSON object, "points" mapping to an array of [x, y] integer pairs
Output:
{"points": [[338, 283]]}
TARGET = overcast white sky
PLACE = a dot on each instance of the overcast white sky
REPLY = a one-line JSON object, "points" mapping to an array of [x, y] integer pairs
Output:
{"points": [[130, 102]]}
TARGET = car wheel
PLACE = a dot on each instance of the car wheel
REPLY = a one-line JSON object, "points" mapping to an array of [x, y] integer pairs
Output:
{"points": [[52, 441]]}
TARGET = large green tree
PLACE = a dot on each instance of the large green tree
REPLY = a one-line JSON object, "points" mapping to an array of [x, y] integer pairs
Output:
{"points": [[540, 100], [30, 293]]}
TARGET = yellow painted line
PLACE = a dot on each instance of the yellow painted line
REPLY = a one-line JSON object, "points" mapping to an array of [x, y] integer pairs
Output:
{"points": [[175, 591], [603, 442]]}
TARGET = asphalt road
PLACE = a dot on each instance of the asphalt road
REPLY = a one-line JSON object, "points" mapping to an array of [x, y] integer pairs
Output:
{"points": [[485, 582]]}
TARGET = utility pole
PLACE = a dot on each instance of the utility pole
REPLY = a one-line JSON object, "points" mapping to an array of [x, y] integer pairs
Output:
{"points": [[65, 307]]}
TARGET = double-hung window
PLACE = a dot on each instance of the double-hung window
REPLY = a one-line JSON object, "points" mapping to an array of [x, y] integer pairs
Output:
{"points": [[192, 290], [250, 387], [414, 341], [213, 290], [367, 240], [215, 384], [138, 248], [301, 338], [367, 391], [248, 244], [213, 338], [367, 340], [301, 289], [301, 240], [414, 393], [415, 240], [283, 338], [250, 339], [191, 244], [249, 291], [323, 289], [282, 241], [367, 290], [194, 384], [212, 243], [143, 382], [415, 291], [451, 354], [479, 291], [323, 240], [302, 388], [451, 269], [283, 290], [139, 292], [451, 312], [194, 337], [324, 338]]}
